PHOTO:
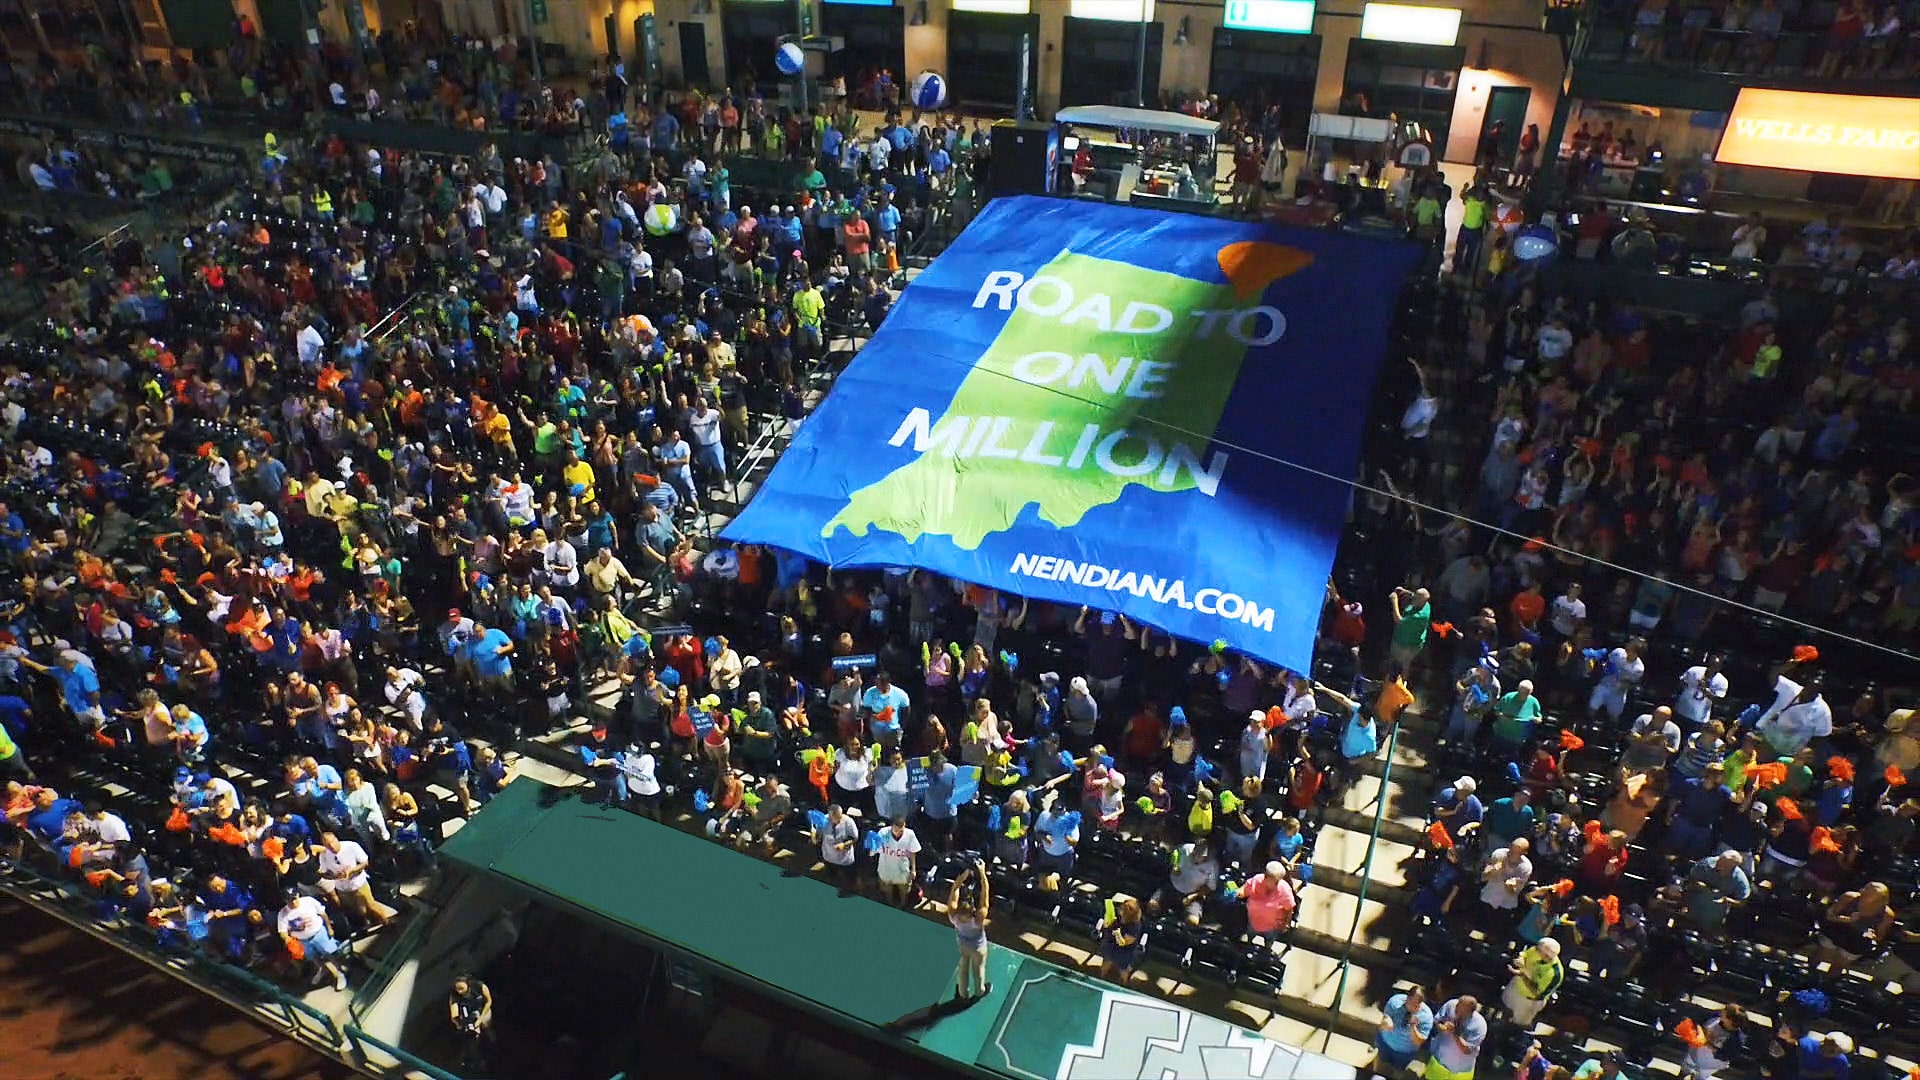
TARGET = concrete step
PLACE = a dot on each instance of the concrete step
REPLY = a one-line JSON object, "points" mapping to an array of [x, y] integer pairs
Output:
{"points": [[1340, 857]]}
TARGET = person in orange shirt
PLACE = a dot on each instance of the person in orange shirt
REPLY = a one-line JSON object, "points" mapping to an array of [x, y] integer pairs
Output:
{"points": [[301, 582], [1527, 607], [1394, 696], [412, 401], [329, 381]]}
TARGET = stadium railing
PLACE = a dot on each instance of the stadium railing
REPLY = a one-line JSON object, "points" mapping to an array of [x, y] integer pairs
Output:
{"points": [[367, 1052], [1365, 876], [236, 986], [415, 925]]}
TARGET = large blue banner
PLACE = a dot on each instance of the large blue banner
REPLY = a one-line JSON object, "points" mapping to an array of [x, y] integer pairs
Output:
{"points": [[1093, 404]]}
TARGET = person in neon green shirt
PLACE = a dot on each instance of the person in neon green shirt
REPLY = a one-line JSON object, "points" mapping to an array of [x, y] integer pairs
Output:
{"points": [[546, 442], [1537, 975], [1429, 215], [546, 437], [1515, 714], [1473, 229], [13, 763], [810, 314], [1766, 360]]}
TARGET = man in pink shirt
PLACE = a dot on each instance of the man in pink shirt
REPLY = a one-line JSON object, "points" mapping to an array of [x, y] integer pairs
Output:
{"points": [[1270, 902]]}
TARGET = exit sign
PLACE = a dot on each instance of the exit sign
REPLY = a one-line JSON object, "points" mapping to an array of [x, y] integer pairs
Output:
{"points": [[1273, 16]]}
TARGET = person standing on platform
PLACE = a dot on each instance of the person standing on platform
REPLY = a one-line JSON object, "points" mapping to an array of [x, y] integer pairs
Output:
{"points": [[967, 909]]}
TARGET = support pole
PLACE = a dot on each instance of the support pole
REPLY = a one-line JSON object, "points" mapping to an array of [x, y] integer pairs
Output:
{"points": [[533, 37], [800, 37], [1140, 61]]}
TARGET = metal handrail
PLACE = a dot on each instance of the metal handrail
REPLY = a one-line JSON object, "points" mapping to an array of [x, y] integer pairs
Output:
{"points": [[303, 1022], [398, 951], [1366, 879], [1623, 37], [359, 1041], [104, 241], [393, 320], [292, 1009]]}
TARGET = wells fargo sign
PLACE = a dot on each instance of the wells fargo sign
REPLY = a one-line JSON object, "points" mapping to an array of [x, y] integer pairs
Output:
{"points": [[1830, 133]]}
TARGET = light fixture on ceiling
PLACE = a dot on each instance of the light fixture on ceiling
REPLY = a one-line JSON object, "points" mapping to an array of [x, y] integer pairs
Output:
{"points": [[1180, 36]]}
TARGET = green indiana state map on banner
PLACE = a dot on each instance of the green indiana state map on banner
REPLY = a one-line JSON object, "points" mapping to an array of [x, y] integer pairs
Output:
{"points": [[1105, 375]]}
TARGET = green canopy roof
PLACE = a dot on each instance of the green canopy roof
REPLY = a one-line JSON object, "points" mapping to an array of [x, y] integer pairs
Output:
{"points": [[724, 908], [886, 971]]}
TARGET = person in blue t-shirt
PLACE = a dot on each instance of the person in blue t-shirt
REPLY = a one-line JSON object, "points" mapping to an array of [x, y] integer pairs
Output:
{"points": [[226, 905], [936, 803], [79, 685], [48, 820], [13, 531], [1058, 835], [886, 221], [490, 651], [1825, 1057], [1405, 1025], [666, 131], [317, 785], [885, 706]]}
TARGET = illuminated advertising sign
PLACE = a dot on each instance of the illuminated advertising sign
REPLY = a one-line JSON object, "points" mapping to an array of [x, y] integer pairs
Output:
{"points": [[1829, 133], [1410, 25], [1112, 10], [1273, 16]]}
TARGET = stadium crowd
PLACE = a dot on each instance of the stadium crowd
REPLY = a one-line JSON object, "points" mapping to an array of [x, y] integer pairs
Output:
{"points": [[257, 530], [483, 87], [1638, 752], [265, 543]]}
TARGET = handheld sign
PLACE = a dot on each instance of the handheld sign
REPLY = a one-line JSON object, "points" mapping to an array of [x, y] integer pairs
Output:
{"points": [[966, 786], [917, 774], [676, 630], [702, 722], [859, 660]]}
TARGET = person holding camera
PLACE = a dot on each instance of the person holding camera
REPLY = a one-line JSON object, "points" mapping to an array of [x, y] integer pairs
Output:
{"points": [[470, 1008], [967, 909]]}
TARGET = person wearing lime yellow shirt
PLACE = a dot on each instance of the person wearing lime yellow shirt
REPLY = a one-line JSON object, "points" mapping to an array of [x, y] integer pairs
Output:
{"points": [[1473, 229], [1766, 359], [13, 763], [810, 314]]}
